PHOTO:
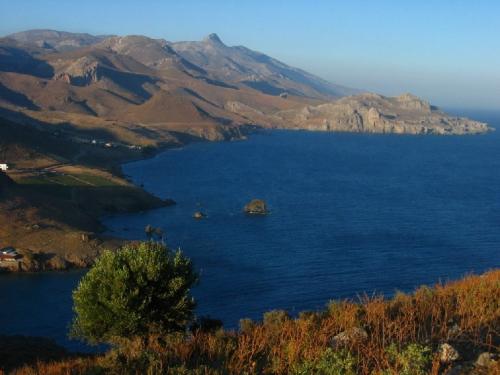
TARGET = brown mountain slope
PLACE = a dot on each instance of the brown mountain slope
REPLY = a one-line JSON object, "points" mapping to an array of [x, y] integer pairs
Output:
{"points": [[186, 86], [132, 79], [153, 53], [56, 40], [243, 66]]}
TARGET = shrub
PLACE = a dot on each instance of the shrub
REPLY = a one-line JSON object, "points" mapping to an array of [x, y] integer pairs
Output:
{"points": [[247, 325], [330, 363], [399, 333], [413, 360], [136, 291], [275, 318]]}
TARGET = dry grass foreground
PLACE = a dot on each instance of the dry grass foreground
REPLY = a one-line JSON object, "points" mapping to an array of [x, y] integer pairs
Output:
{"points": [[402, 335]]}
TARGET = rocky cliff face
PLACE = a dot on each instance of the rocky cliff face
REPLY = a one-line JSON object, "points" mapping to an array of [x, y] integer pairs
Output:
{"points": [[82, 72], [372, 113]]}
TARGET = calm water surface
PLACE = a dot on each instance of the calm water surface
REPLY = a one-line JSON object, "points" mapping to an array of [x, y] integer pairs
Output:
{"points": [[350, 214]]}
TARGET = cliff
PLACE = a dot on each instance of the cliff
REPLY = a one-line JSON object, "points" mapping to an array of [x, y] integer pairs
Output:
{"points": [[373, 113]]}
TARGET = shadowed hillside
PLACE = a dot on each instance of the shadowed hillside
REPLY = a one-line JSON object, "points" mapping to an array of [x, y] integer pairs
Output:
{"points": [[50, 203]]}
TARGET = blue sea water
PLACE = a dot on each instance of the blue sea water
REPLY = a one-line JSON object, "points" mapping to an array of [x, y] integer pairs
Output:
{"points": [[350, 214]]}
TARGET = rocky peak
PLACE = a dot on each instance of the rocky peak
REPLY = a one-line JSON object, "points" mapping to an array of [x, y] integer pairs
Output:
{"points": [[413, 102], [407, 97], [213, 39]]}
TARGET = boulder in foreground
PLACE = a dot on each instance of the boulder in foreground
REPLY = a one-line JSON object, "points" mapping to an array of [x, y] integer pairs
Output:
{"points": [[256, 207]]}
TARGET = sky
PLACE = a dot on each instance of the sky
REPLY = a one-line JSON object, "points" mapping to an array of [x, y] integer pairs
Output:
{"points": [[446, 51]]}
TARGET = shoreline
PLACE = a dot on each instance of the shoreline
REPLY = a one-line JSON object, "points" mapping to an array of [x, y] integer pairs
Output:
{"points": [[116, 169], [268, 138], [97, 238]]}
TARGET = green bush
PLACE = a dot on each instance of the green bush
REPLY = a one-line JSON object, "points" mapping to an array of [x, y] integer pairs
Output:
{"points": [[139, 290], [413, 360], [330, 363]]}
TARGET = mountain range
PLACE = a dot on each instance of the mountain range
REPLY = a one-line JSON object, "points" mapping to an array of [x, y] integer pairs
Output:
{"points": [[145, 91]]}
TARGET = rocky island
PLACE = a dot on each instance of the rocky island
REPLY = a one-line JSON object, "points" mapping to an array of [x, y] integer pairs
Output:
{"points": [[256, 207], [198, 215]]}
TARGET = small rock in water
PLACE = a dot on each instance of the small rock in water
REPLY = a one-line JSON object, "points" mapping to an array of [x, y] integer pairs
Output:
{"points": [[256, 207], [198, 215]]}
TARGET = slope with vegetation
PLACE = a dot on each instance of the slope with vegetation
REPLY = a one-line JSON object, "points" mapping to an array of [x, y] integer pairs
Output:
{"points": [[144, 310], [56, 190]]}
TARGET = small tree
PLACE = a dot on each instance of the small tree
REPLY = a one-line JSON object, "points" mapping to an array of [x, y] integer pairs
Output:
{"points": [[136, 291]]}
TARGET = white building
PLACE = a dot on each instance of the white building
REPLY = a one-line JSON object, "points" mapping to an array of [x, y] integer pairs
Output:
{"points": [[4, 167]]}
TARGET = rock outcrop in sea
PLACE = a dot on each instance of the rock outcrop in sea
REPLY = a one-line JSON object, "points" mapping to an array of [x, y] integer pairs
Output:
{"points": [[256, 207], [198, 215]]}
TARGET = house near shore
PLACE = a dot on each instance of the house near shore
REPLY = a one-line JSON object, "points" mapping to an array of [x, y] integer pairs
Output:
{"points": [[9, 254], [4, 167]]}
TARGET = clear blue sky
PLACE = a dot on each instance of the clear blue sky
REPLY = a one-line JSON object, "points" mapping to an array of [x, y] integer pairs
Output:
{"points": [[446, 51]]}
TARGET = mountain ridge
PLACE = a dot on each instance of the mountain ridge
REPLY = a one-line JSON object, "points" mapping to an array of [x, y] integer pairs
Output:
{"points": [[55, 39], [184, 86]]}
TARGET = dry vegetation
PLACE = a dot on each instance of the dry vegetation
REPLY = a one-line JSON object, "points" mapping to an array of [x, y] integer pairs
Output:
{"points": [[373, 336]]}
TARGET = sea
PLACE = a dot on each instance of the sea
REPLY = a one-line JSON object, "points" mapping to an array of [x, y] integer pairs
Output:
{"points": [[350, 215]]}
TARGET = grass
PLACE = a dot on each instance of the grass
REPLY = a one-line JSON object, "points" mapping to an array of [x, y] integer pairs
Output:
{"points": [[76, 180], [371, 336]]}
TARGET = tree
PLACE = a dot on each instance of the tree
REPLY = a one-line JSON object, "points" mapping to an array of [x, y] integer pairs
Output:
{"points": [[136, 291]]}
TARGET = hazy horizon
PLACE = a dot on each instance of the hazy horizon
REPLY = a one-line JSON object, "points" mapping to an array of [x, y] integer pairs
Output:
{"points": [[442, 52]]}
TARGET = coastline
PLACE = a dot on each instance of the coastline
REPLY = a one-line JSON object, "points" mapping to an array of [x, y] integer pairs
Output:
{"points": [[131, 197], [192, 152], [145, 200]]}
